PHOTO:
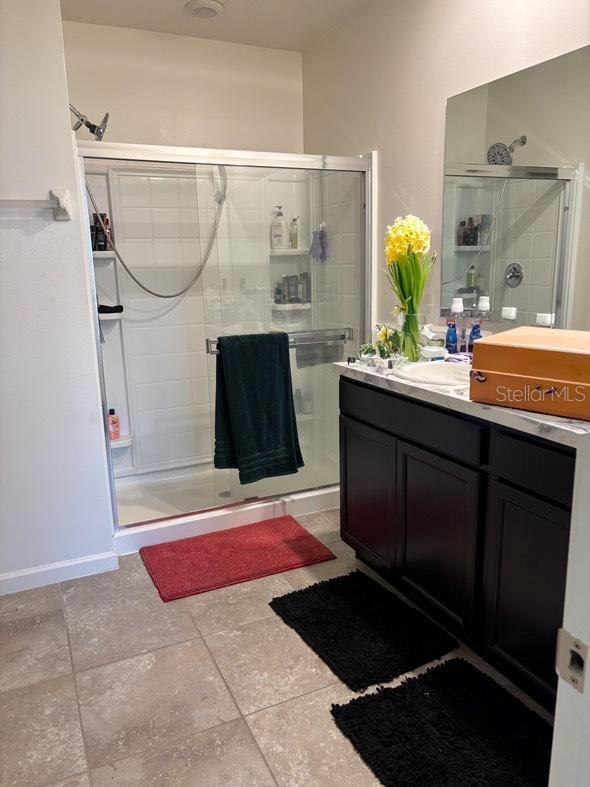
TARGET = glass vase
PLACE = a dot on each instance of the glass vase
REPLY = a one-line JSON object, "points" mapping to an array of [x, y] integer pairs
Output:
{"points": [[410, 336]]}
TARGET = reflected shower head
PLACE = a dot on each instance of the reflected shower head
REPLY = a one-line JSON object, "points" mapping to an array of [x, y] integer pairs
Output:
{"points": [[97, 130], [499, 153]]}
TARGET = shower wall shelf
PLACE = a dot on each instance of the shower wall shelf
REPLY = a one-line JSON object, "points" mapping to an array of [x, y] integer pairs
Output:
{"points": [[289, 252], [60, 202], [109, 317], [103, 256], [472, 248], [123, 442], [290, 307]]}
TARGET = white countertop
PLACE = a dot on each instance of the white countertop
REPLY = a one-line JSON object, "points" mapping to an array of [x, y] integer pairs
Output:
{"points": [[566, 431]]}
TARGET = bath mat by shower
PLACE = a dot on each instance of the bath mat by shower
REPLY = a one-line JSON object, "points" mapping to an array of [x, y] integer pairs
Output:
{"points": [[364, 633], [451, 726], [195, 565]]}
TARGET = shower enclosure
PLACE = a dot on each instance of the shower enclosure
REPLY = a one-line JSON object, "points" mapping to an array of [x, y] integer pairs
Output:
{"points": [[518, 254], [158, 355]]}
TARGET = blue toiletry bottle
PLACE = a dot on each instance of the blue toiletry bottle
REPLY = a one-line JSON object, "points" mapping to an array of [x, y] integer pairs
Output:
{"points": [[474, 334], [451, 340]]}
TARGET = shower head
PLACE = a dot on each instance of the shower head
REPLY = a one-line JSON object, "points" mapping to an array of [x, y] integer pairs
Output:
{"points": [[499, 153], [97, 130]]}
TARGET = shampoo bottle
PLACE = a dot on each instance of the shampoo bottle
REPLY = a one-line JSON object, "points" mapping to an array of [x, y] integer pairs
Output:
{"points": [[474, 335], [294, 234], [114, 425], [279, 230], [451, 340]]}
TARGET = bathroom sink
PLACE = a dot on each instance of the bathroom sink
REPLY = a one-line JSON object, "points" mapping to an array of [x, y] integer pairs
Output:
{"points": [[452, 375]]}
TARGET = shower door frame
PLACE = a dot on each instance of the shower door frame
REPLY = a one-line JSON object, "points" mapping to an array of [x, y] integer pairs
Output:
{"points": [[133, 536]]}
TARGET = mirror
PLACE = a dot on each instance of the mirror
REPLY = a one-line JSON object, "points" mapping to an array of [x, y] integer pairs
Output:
{"points": [[516, 223]]}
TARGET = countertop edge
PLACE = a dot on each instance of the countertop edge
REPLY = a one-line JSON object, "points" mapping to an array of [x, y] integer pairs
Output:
{"points": [[558, 430]]}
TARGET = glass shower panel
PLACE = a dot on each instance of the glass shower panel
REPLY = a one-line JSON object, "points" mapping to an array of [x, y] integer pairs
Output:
{"points": [[265, 289], [158, 375], [516, 263]]}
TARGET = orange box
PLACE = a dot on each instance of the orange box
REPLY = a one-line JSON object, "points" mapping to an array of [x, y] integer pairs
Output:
{"points": [[536, 369]]}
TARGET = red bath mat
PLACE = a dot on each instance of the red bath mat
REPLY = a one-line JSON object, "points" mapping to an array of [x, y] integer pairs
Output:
{"points": [[195, 565]]}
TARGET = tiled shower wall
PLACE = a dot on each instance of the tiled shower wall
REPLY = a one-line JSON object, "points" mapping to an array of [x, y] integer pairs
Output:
{"points": [[157, 222], [162, 223], [528, 233]]}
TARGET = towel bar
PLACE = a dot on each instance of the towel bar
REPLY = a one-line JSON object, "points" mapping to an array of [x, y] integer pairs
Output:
{"points": [[300, 338], [60, 202]]}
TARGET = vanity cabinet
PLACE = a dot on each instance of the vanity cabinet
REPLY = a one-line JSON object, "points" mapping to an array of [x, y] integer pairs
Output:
{"points": [[526, 545], [368, 473], [436, 517], [468, 520]]}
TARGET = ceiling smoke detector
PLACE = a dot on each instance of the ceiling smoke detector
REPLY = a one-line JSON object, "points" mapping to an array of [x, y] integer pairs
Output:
{"points": [[204, 9]]}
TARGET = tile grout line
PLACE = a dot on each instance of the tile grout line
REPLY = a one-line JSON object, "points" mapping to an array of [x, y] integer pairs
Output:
{"points": [[296, 697], [198, 635], [143, 653], [139, 653], [172, 744], [231, 694], [78, 708]]}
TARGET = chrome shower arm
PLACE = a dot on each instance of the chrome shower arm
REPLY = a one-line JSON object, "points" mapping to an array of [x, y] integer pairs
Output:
{"points": [[81, 119], [517, 143]]}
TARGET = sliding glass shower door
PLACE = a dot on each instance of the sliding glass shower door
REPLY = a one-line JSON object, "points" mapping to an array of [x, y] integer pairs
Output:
{"points": [[158, 366]]}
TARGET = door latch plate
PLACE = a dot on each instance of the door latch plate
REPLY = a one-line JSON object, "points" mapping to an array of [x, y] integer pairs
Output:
{"points": [[570, 663]]}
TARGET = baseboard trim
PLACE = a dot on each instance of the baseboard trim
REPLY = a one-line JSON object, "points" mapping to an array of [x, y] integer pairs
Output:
{"points": [[131, 539], [49, 574]]}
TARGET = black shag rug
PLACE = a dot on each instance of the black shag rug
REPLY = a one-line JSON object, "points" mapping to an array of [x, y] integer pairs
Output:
{"points": [[364, 633], [453, 726]]}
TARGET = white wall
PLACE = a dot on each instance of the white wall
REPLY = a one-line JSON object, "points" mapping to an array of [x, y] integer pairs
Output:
{"points": [[382, 79], [466, 126], [54, 497], [178, 90]]}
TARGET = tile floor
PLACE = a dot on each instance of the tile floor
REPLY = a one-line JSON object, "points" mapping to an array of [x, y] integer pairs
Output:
{"points": [[101, 683]]}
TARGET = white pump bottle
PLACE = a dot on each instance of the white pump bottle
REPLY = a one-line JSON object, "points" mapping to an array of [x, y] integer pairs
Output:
{"points": [[279, 230]]}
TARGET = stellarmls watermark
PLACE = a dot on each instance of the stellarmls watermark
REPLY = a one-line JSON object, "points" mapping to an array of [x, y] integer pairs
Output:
{"points": [[538, 393]]}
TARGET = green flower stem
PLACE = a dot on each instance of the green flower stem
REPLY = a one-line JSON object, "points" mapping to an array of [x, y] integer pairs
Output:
{"points": [[411, 337], [408, 277]]}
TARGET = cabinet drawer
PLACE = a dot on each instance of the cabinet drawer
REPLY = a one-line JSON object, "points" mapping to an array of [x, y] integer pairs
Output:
{"points": [[457, 437], [544, 470]]}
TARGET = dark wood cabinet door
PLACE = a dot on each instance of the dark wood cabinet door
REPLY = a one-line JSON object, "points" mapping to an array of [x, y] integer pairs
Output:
{"points": [[367, 478], [437, 511], [524, 585]]}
